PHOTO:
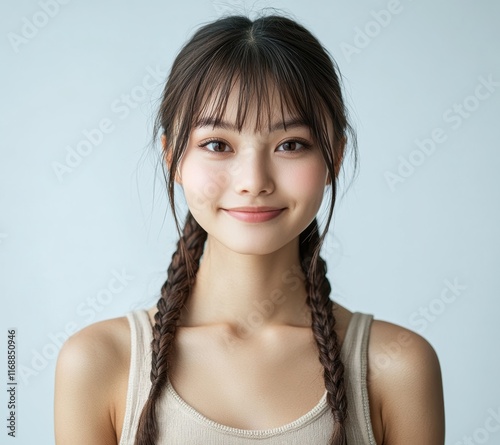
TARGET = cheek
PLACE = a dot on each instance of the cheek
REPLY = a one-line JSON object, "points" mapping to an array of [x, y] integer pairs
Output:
{"points": [[202, 184], [307, 179]]}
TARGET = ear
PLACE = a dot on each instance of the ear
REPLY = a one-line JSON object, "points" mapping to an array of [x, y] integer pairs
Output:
{"points": [[167, 153], [341, 150]]}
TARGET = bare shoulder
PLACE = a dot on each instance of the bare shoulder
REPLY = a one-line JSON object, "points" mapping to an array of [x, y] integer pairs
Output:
{"points": [[90, 366], [98, 348], [104, 339], [404, 377]]}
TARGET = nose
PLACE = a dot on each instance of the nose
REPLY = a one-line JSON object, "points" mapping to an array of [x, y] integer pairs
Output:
{"points": [[255, 173]]}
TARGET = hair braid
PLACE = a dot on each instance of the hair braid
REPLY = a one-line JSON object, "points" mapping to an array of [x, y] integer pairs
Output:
{"points": [[174, 293], [323, 324]]}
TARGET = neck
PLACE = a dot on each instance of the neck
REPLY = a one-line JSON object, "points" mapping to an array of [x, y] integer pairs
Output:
{"points": [[248, 292]]}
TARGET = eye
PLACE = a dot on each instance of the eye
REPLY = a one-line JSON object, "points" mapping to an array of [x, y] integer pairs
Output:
{"points": [[217, 144], [291, 146]]}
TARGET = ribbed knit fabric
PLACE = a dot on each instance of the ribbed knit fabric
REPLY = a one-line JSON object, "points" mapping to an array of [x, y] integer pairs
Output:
{"points": [[181, 424]]}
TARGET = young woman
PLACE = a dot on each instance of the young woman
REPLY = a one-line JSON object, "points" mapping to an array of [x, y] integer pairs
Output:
{"points": [[245, 344]]}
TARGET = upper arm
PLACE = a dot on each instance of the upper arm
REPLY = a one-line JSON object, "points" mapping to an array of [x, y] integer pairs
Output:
{"points": [[82, 407], [411, 390]]}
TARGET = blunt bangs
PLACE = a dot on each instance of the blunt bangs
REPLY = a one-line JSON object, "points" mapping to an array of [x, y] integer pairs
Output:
{"points": [[257, 81]]}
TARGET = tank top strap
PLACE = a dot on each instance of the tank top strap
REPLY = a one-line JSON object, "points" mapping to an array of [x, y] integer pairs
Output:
{"points": [[139, 382], [354, 355]]}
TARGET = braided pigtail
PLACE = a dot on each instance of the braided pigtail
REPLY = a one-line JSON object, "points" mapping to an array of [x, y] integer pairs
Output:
{"points": [[174, 293], [323, 324]]}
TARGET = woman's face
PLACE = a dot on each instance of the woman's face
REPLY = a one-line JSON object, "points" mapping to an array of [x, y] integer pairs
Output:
{"points": [[222, 169]]}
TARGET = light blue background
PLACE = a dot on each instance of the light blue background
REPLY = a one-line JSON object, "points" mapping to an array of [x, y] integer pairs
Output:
{"points": [[391, 250]]}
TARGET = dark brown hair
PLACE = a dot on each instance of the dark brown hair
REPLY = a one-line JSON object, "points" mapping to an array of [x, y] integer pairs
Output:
{"points": [[270, 51]]}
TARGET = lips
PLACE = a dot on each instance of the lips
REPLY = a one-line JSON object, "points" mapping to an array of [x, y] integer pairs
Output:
{"points": [[254, 214]]}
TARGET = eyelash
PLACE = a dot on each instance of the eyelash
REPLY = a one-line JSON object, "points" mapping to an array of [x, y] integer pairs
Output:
{"points": [[305, 145]]}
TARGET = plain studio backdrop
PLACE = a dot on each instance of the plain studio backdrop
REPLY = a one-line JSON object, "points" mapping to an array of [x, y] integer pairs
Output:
{"points": [[85, 234]]}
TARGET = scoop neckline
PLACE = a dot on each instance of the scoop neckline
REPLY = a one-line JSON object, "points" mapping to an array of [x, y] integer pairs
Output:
{"points": [[302, 421]]}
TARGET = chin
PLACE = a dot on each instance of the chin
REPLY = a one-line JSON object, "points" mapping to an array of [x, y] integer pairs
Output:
{"points": [[257, 243]]}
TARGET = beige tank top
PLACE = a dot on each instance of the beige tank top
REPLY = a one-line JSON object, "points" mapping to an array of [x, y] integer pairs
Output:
{"points": [[180, 424]]}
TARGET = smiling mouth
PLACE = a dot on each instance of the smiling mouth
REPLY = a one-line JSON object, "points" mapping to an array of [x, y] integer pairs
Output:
{"points": [[254, 215]]}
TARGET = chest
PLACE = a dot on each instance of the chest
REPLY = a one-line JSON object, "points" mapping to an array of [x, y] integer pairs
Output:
{"points": [[259, 384]]}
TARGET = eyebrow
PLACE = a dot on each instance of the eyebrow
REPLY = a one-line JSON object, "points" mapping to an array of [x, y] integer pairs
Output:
{"points": [[210, 121]]}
